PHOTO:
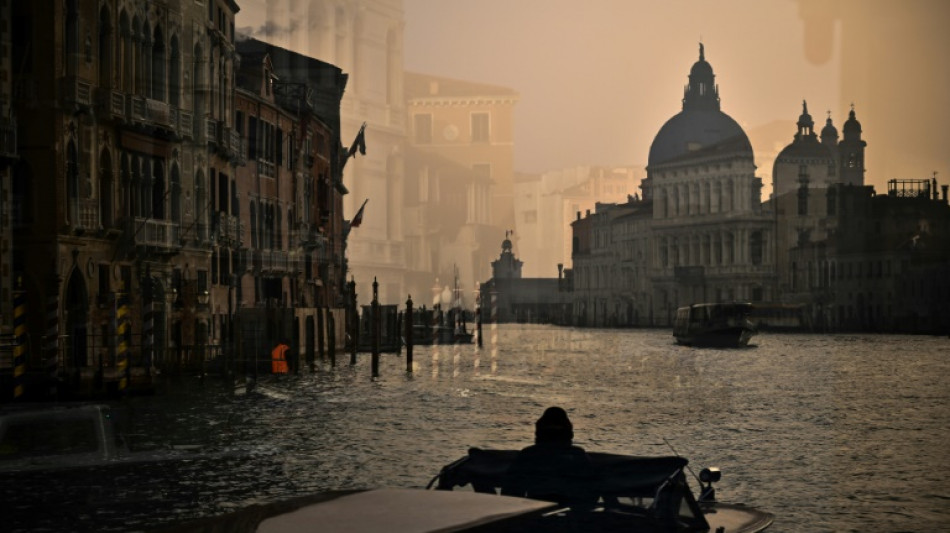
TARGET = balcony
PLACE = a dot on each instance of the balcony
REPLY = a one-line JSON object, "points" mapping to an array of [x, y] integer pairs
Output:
{"points": [[76, 93], [186, 124], [161, 235], [110, 103], [84, 215], [137, 109], [273, 261], [211, 130], [229, 230], [157, 112]]}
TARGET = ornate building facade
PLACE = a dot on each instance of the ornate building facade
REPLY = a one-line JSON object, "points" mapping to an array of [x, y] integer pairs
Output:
{"points": [[365, 39], [136, 217], [712, 240], [459, 177]]}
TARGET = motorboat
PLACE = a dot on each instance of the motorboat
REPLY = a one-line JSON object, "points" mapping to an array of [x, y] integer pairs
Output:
{"points": [[644, 494], [714, 325], [630, 493], [46, 439]]}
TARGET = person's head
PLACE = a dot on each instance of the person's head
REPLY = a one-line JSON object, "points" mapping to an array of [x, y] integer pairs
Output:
{"points": [[553, 426]]}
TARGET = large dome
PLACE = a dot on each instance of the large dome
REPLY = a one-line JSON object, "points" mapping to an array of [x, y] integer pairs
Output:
{"points": [[701, 128], [693, 130]]}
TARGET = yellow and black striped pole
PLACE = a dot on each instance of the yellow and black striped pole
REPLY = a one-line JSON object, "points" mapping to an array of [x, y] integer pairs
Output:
{"points": [[20, 345], [123, 332]]}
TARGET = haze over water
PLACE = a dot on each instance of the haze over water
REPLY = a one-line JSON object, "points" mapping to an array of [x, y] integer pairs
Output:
{"points": [[828, 432]]}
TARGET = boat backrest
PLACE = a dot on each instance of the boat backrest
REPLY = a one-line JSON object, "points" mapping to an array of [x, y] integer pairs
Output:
{"points": [[660, 480]]}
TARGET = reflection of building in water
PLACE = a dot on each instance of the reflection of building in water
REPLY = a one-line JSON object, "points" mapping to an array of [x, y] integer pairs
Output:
{"points": [[545, 204], [511, 298], [459, 177]]}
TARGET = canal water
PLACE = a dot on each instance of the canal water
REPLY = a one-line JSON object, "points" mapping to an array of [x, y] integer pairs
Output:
{"points": [[828, 432]]}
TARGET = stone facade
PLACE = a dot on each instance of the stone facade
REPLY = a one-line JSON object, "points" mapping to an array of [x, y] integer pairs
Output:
{"points": [[133, 199]]}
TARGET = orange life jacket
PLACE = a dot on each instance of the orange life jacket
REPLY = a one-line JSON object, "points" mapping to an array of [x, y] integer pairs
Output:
{"points": [[278, 355]]}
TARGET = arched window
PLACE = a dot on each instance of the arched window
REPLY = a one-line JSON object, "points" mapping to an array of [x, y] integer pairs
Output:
{"points": [[198, 81], [125, 52], [158, 190], [105, 48], [138, 77], [106, 204], [158, 65], [756, 243], [128, 188], [201, 207], [253, 214], [72, 182], [174, 73], [72, 37], [175, 195]]}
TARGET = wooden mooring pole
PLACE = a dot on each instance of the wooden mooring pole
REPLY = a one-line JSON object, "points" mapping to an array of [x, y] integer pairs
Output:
{"points": [[376, 328], [409, 334]]}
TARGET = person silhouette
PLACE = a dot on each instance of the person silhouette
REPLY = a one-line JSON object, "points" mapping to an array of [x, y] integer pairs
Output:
{"points": [[553, 468]]}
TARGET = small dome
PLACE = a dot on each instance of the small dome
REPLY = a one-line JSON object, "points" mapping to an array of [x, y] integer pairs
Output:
{"points": [[701, 69], [829, 130], [805, 119], [852, 125]]}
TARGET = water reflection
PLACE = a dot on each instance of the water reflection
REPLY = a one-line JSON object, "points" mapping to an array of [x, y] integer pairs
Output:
{"points": [[835, 432]]}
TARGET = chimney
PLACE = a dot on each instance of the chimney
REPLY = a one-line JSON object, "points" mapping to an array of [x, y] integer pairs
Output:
{"points": [[944, 189]]}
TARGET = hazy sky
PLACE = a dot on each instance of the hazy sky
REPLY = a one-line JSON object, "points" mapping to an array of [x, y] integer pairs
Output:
{"points": [[598, 78]]}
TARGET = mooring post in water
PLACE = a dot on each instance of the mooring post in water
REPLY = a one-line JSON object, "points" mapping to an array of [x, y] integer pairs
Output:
{"points": [[375, 325], [478, 318], [409, 334], [331, 338], [353, 322]]}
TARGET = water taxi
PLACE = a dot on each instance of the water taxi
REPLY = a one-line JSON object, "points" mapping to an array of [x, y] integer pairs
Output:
{"points": [[714, 325]]}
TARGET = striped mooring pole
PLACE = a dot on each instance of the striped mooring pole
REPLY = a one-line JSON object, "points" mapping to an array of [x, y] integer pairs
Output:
{"points": [[123, 331], [21, 346]]}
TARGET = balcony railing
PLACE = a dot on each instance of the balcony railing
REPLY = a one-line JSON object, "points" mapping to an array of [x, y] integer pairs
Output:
{"points": [[84, 214], [229, 230], [76, 92], [137, 108], [157, 112], [162, 234], [211, 130], [110, 103], [186, 125]]}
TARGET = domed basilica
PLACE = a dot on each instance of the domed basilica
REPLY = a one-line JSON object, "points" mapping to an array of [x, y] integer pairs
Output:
{"points": [[712, 242]]}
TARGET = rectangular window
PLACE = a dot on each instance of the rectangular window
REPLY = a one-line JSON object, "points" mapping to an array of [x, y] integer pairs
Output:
{"points": [[482, 170], [480, 133], [280, 147], [422, 125], [252, 138]]}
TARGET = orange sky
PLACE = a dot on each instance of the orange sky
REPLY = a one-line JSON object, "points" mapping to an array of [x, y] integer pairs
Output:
{"points": [[598, 78]]}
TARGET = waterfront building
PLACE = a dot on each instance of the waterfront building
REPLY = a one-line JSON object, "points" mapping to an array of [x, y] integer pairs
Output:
{"points": [[509, 297], [290, 274], [131, 122], [612, 258], [365, 39], [545, 205], [139, 233], [886, 265], [712, 240], [805, 175], [460, 179]]}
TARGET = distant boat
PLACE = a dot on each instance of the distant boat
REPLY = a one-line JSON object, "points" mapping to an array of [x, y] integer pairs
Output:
{"points": [[714, 325]]}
